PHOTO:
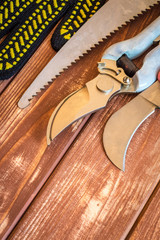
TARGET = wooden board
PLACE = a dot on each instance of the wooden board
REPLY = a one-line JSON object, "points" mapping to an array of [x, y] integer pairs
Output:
{"points": [[86, 196], [148, 223]]}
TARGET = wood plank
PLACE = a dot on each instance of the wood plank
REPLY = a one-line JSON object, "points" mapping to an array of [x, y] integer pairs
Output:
{"points": [[26, 161], [87, 197], [148, 223]]}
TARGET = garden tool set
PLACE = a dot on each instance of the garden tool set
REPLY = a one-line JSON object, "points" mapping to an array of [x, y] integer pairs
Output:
{"points": [[117, 75], [29, 23]]}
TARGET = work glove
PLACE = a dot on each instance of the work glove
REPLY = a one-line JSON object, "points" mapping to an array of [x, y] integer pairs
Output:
{"points": [[29, 22]]}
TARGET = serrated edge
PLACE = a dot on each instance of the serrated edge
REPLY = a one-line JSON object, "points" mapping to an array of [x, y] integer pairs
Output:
{"points": [[92, 47]]}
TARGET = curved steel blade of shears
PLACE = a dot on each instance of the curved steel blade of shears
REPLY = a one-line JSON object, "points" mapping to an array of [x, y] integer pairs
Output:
{"points": [[121, 127], [92, 97]]}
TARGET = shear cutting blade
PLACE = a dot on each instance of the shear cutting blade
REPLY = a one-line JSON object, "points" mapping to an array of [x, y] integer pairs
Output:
{"points": [[66, 113], [121, 127], [80, 103]]}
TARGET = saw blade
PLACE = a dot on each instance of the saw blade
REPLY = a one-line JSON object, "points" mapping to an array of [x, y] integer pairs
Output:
{"points": [[101, 25]]}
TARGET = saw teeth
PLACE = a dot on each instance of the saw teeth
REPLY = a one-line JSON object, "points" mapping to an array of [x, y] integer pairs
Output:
{"points": [[92, 47]]}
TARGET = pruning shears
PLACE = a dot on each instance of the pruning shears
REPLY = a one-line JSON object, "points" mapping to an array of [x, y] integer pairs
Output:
{"points": [[117, 74]]}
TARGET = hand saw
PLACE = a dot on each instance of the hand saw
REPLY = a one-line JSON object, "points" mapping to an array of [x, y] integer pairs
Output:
{"points": [[101, 25]]}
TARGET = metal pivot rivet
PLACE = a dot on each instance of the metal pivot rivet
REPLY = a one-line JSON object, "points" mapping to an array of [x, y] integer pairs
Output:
{"points": [[126, 80], [105, 84]]}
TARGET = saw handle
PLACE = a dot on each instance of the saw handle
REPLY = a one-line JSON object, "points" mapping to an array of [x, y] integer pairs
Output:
{"points": [[148, 73], [135, 46]]}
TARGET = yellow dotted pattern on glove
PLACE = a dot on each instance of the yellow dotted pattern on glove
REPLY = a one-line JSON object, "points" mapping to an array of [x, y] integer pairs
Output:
{"points": [[78, 17], [31, 29], [10, 10]]}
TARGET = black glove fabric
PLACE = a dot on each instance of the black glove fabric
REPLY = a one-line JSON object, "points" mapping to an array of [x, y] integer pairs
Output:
{"points": [[29, 21]]}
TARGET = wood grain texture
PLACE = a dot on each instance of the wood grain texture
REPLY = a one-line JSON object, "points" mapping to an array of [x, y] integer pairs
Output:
{"points": [[148, 223], [86, 197]]}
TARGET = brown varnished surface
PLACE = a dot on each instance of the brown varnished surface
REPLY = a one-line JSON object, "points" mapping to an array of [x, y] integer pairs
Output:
{"points": [[148, 223], [86, 197]]}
